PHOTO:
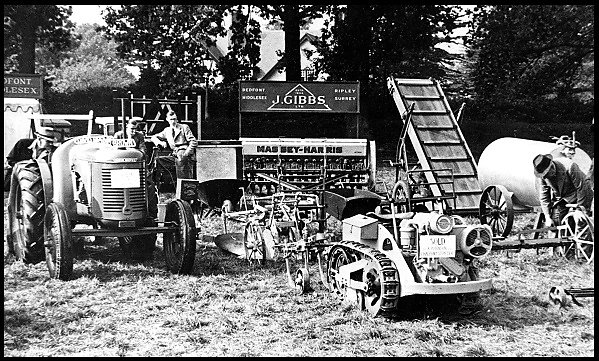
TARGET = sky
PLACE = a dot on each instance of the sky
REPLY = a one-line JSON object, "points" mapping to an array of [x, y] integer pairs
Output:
{"points": [[88, 14]]}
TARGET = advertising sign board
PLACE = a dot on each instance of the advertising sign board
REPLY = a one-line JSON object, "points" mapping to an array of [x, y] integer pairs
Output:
{"points": [[23, 86], [317, 97]]}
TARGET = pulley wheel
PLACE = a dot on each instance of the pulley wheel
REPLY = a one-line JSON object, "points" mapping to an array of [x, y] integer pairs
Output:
{"points": [[373, 296]]}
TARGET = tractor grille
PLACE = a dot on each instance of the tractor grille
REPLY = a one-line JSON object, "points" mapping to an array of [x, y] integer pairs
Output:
{"points": [[484, 236], [114, 198]]}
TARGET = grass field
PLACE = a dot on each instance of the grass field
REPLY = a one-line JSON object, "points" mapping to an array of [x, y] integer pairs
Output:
{"points": [[115, 307]]}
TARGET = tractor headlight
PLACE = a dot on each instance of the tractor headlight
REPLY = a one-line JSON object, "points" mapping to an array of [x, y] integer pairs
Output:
{"points": [[441, 223]]}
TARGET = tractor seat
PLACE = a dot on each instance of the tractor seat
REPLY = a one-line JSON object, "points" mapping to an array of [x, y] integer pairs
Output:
{"points": [[389, 217]]}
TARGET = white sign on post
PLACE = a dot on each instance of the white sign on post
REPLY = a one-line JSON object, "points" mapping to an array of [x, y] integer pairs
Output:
{"points": [[437, 246]]}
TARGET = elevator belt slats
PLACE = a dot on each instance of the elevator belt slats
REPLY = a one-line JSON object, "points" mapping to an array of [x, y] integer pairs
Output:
{"points": [[437, 139]]}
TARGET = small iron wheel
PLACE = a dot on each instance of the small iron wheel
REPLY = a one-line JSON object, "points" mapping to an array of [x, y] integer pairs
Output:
{"points": [[580, 230], [302, 280], [253, 243], [496, 209]]}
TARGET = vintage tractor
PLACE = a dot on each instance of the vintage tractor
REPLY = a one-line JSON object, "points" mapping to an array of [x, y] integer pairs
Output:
{"points": [[376, 263], [100, 182]]}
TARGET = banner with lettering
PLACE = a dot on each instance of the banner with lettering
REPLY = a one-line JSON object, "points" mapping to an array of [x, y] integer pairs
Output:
{"points": [[23, 86], [316, 97]]}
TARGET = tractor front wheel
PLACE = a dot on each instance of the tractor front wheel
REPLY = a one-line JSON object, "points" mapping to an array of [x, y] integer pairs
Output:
{"points": [[180, 246], [59, 243]]}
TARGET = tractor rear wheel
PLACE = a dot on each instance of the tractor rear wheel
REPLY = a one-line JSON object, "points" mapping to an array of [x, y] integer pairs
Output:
{"points": [[26, 213], [180, 246], [59, 242]]}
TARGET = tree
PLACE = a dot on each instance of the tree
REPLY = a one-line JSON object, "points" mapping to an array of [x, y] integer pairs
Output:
{"points": [[93, 63], [369, 43], [530, 51], [176, 38], [372, 42], [293, 17], [28, 26], [244, 48]]}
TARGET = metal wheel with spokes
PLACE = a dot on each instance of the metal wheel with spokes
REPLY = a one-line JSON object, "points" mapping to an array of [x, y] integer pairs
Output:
{"points": [[581, 231], [253, 243], [58, 242], [496, 209]]}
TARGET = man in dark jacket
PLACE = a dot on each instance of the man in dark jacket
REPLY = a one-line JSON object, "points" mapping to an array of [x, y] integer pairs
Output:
{"points": [[134, 134], [561, 182], [42, 146]]}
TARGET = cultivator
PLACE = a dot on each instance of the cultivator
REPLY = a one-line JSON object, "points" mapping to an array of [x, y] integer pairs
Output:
{"points": [[281, 226], [378, 259]]}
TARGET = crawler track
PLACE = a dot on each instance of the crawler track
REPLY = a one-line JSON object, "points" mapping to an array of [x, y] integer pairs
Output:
{"points": [[380, 275]]}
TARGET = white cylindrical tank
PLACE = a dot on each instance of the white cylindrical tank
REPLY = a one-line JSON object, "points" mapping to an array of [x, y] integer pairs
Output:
{"points": [[508, 162]]}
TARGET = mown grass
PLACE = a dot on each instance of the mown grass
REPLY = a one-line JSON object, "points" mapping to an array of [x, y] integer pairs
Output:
{"points": [[226, 307]]}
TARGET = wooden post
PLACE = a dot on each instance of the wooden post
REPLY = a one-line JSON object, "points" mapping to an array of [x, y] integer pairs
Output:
{"points": [[199, 116], [131, 104], [115, 110], [143, 112], [124, 127]]}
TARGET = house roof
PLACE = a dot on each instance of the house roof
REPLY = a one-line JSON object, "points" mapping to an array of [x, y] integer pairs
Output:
{"points": [[272, 41]]}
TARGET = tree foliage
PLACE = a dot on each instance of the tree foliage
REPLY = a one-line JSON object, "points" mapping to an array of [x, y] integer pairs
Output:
{"points": [[244, 48], [292, 18], [176, 38], [530, 51], [28, 26], [92, 63], [371, 42]]}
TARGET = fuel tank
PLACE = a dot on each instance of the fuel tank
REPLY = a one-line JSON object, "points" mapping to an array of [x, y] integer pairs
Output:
{"points": [[508, 162]]}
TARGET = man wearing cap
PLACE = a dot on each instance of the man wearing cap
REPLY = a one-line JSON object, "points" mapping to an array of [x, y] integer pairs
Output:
{"points": [[42, 146], [133, 133], [183, 143], [140, 143], [560, 182]]}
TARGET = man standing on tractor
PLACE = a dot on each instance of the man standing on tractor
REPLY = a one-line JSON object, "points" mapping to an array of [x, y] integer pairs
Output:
{"points": [[183, 143], [561, 182]]}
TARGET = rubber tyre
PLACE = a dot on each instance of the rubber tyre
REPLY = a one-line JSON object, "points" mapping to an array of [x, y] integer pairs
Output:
{"points": [[180, 246], [59, 242], [27, 230]]}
